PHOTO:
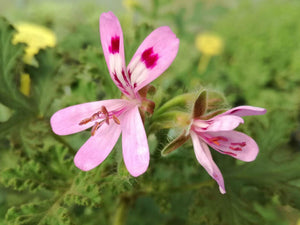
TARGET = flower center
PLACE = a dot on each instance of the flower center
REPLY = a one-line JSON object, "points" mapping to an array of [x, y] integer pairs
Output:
{"points": [[100, 117]]}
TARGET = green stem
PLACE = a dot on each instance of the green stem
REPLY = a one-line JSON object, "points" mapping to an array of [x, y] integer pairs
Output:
{"points": [[121, 212], [203, 63]]}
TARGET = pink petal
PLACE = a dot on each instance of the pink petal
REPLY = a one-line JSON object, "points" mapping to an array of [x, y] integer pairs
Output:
{"points": [[97, 147], [233, 143], [245, 111], [66, 121], [113, 48], [134, 142], [219, 123], [204, 157], [153, 57]]}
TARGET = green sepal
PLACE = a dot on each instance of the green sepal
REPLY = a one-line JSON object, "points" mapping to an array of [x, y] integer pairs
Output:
{"points": [[172, 112], [169, 119], [180, 102], [200, 105], [176, 143]]}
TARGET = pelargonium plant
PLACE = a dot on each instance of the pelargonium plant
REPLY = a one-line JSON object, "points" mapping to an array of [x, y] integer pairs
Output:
{"points": [[108, 118]]}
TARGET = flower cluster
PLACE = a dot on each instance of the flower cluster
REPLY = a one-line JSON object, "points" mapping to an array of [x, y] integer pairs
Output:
{"points": [[109, 118]]}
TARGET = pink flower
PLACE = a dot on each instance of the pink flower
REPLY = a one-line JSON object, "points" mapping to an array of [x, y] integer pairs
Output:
{"points": [[218, 133], [108, 118]]}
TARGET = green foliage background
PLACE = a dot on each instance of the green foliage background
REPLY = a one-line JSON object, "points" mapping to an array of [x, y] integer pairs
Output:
{"points": [[260, 66]]}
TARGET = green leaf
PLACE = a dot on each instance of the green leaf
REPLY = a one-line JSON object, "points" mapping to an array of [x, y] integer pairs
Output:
{"points": [[10, 70], [41, 213], [45, 80]]}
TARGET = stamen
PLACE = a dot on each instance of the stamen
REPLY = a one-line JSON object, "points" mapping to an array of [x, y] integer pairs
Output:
{"points": [[96, 127], [95, 116], [105, 113], [104, 116], [117, 121], [85, 121]]}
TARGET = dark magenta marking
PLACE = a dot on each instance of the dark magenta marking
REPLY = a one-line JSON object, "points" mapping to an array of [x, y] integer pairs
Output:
{"points": [[129, 74], [125, 77], [119, 84], [234, 111], [117, 80], [149, 58], [115, 45], [235, 148], [242, 144]]}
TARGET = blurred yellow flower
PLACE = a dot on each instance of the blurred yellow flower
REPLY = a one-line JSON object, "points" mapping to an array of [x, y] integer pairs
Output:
{"points": [[209, 44], [36, 37], [131, 4]]}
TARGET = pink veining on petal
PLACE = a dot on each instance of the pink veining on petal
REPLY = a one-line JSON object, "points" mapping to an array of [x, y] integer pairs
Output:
{"points": [[149, 58], [236, 148], [234, 143], [119, 84], [242, 144]]}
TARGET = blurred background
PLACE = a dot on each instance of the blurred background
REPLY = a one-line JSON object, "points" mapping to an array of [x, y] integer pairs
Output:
{"points": [[249, 50]]}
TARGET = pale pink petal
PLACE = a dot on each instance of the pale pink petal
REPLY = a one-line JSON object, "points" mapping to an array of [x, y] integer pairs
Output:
{"points": [[204, 157], [220, 123], [113, 48], [245, 111], [153, 57], [134, 143], [233, 143], [66, 121], [97, 147]]}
